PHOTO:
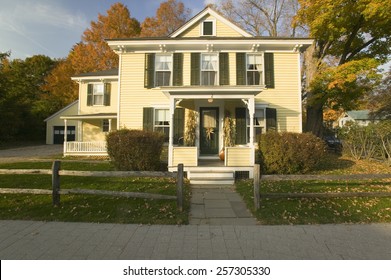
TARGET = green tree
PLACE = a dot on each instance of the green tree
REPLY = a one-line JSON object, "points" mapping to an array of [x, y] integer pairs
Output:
{"points": [[21, 114], [351, 39]]}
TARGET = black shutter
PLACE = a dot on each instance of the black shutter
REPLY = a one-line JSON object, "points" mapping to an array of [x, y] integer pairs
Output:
{"points": [[90, 89], [107, 94], [178, 69], [179, 125], [241, 127], [195, 69], [240, 69], [149, 76], [269, 70], [271, 119], [224, 69], [148, 118]]}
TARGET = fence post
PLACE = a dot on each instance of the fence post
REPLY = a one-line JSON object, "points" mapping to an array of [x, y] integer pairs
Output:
{"points": [[257, 177], [179, 187], [56, 182]]}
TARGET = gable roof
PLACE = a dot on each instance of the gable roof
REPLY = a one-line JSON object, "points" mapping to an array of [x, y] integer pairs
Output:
{"points": [[74, 103], [104, 73], [203, 13], [359, 114]]}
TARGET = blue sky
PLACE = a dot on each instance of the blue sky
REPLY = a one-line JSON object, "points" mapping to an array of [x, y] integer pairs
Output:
{"points": [[52, 27]]}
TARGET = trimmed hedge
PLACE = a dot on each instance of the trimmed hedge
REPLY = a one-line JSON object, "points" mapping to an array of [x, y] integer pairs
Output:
{"points": [[135, 150], [289, 153]]}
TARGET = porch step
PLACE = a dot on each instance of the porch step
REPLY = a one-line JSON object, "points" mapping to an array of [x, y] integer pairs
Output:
{"points": [[211, 177]]}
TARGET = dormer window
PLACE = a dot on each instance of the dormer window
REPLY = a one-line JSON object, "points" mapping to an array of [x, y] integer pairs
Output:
{"points": [[208, 28]]}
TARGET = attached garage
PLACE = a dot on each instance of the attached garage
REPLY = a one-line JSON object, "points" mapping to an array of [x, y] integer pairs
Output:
{"points": [[59, 131], [55, 128]]}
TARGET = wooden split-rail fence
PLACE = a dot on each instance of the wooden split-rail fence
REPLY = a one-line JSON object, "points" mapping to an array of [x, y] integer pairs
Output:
{"points": [[258, 178], [56, 191]]}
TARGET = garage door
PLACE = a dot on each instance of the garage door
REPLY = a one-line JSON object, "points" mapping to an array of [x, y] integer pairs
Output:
{"points": [[58, 134]]}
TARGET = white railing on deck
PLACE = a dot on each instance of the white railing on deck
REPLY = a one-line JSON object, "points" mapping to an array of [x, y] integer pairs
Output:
{"points": [[85, 148]]}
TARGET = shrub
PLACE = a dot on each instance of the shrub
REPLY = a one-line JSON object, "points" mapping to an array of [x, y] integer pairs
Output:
{"points": [[288, 153], [366, 142], [136, 150]]}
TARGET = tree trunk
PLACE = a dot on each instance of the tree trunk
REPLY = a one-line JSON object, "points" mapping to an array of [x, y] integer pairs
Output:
{"points": [[315, 119]]}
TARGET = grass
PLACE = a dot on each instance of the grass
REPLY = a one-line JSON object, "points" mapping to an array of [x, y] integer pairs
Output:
{"points": [[91, 208], [276, 211], [65, 165], [322, 210]]}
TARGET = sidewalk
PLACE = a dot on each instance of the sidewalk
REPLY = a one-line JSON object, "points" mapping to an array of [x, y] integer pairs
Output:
{"points": [[57, 240], [218, 206]]}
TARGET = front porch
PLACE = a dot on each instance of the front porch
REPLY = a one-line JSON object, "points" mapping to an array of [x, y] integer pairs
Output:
{"points": [[90, 140], [211, 107]]}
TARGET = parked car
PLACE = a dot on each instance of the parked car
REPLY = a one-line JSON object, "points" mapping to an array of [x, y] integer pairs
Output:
{"points": [[333, 143]]}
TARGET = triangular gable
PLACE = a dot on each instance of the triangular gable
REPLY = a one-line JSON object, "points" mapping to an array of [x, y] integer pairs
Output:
{"points": [[74, 103], [194, 23]]}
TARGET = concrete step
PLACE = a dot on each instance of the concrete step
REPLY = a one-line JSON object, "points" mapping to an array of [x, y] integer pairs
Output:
{"points": [[211, 177]]}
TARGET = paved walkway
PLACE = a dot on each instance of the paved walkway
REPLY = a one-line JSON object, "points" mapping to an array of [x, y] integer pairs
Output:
{"points": [[57, 240], [29, 153], [218, 206]]}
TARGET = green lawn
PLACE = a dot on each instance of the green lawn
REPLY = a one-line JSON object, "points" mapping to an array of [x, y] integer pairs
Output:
{"points": [[318, 210], [91, 208]]}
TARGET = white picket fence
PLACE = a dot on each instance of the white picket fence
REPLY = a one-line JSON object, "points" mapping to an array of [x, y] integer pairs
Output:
{"points": [[85, 148]]}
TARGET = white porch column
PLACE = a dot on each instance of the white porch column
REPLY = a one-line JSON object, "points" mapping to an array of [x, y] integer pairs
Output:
{"points": [[65, 135], [171, 137], [109, 125], [251, 111]]}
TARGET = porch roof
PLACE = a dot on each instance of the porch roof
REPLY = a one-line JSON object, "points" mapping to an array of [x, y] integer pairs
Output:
{"points": [[216, 92], [90, 116]]}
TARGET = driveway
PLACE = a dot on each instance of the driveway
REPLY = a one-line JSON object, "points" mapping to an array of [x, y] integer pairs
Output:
{"points": [[30, 153]]}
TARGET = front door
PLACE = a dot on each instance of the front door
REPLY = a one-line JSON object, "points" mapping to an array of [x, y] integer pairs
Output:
{"points": [[209, 131]]}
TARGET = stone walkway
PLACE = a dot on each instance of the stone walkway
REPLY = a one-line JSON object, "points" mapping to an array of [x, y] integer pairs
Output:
{"points": [[211, 205]]}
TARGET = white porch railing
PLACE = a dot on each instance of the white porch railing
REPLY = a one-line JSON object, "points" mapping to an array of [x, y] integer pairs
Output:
{"points": [[85, 148]]}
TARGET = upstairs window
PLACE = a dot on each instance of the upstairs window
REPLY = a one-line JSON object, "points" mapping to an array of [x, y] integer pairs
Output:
{"points": [[254, 69], [209, 69], [163, 70], [98, 94], [208, 28]]}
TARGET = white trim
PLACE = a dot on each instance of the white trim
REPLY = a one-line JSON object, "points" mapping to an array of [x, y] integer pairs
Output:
{"points": [[299, 94], [96, 78], [119, 91], [213, 21], [204, 13]]}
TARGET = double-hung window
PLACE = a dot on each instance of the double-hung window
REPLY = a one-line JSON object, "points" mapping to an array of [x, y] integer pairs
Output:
{"points": [[254, 67], [98, 93], [163, 70], [259, 124], [162, 122], [209, 69], [105, 125]]}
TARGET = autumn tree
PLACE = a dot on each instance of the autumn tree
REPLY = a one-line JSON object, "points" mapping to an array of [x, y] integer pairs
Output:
{"points": [[169, 17], [89, 55], [93, 53], [351, 39], [262, 17]]}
